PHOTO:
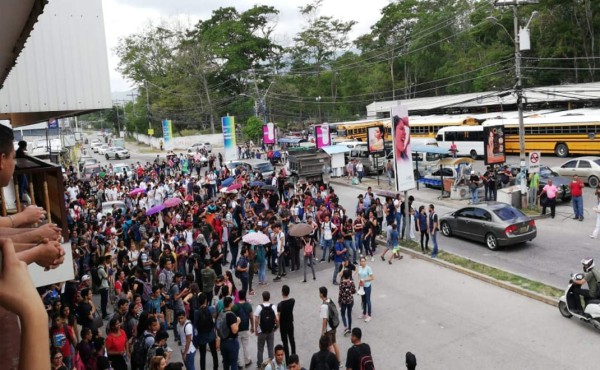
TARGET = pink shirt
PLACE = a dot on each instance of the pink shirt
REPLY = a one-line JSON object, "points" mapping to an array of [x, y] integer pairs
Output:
{"points": [[550, 190]]}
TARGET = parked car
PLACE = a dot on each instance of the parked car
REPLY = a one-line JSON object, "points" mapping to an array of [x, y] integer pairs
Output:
{"points": [[200, 146], [587, 168], [119, 169], [102, 149], [116, 153], [84, 161], [493, 223], [546, 173], [114, 206], [89, 170], [95, 145]]}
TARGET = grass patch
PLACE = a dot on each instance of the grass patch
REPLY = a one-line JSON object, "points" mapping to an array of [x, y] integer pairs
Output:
{"points": [[493, 272], [187, 132], [531, 211]]}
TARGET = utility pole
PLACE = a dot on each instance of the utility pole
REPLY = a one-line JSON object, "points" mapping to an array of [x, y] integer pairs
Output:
{"points": [[522, 180], [147, 106]]}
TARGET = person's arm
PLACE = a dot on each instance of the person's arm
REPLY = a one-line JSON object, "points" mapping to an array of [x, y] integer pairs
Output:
{"points": [[324, 326], [235, 326], [48, 254], [18, 295], [29, 216]]}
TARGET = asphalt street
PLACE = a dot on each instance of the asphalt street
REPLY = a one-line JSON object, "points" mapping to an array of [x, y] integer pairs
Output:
{"points": [[550, 258], [452, 321]]}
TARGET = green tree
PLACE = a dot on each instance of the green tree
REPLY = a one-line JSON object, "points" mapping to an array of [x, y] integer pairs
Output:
{"points": [[253, 128]]}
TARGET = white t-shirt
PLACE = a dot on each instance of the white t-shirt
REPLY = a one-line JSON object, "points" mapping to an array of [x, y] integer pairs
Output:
{"points": [[328, 230], [324, 313], [257, 311], [187, 329]]}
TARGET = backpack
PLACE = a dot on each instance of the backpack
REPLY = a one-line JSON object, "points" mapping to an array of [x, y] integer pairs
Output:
{"points": [[308, 249], [203, 323], [267, 319], [96, 279], [78, 362], [366, 363], [333, 317], [222, 327], [243, 315], [146, 289], [140, 351]]}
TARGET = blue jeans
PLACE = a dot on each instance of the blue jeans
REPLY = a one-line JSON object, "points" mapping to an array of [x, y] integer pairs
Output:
{"points": [[336, 269], [389, 177], [358, 242], [366, 301], [350, 247], [189, 361], [230, 349], [361, 174], [433, 236], [578, 206], [262, 272], [327, 245], [474, 196], [346, 310]]}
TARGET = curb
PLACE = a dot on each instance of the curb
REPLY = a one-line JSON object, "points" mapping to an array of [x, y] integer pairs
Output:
{"points": [[490, 280]]}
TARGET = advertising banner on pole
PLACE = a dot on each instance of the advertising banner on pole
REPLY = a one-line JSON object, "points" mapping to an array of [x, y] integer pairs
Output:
{"points": [[405, 177], [167, 129], [322, 136], [229, 144], [269, 134], [493, 145], [375, 139]]}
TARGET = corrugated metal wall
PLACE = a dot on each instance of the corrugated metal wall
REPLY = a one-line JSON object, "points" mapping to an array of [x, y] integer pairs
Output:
{"points": [[64, 65]]}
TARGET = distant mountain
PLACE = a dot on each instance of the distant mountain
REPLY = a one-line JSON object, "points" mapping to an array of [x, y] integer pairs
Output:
{"points": [[123, 95]]}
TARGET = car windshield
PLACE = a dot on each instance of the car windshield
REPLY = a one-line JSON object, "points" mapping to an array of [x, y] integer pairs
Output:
{"points": [[119, 148], [264, 167], [508, 213]]}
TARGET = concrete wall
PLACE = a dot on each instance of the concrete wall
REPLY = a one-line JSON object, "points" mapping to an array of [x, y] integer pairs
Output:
{"points": [[180, 143]]}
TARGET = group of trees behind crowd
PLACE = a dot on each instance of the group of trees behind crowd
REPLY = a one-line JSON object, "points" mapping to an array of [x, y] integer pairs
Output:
{"points": [[235, 62]]}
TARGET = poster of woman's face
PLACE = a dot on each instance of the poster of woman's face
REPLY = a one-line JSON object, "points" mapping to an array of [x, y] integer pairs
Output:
{"points": [[493, 147], [405, 179], [376, 139]]}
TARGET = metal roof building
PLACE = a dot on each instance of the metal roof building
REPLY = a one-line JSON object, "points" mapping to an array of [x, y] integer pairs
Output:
{"points": [[539, 97]]}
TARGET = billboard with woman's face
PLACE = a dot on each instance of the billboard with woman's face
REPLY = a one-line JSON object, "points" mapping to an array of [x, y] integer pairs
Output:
{"points": [[269, 136], [405, 178], [493, 145], [375, 139]]}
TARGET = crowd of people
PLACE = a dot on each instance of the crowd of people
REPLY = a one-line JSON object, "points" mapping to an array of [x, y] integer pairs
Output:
{"points": [[173, 261]]}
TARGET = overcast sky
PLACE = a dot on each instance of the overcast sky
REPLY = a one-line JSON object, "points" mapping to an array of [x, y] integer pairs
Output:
{"points": [[124, 17]]}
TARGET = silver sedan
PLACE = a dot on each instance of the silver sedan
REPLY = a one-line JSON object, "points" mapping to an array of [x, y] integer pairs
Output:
{"points": [[493, 223]]}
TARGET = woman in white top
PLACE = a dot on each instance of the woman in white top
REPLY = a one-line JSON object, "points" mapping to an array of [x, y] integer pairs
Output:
{"points": [[365, 274]]}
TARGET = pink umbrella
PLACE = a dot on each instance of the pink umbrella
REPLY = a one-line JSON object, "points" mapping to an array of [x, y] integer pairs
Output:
{"points": [[155, 209], [136, 191], [234, 187], [172, 202], [256, 238]]}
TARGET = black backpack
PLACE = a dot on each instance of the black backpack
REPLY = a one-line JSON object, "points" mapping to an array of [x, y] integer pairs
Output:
{"points": [[333, 317], [267, 319], [140, 351], [203, 320], [96, 279]]}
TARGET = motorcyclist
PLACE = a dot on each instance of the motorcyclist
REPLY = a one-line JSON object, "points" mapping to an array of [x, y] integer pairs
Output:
{"points": [[591, 276]]}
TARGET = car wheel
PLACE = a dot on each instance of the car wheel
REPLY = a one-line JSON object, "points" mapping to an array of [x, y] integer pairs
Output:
{"points": [[562, 307], [491, 241], [446, 229], [117, 156], [473, 154], [593, 181], [107, 157], [561, 150]]}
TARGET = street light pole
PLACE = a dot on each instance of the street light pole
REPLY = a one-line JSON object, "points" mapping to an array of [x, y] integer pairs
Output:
{"points": [[318, 99]]}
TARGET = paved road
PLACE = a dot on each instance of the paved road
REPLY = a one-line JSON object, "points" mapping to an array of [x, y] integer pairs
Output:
{"points": [[449, 320], [550, 258]]}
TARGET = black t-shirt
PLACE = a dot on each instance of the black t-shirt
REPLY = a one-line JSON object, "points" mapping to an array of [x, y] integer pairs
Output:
{"points": [[286, 313], [351, 267], [83, 313], [231, 319], [354, 355], [325, 357], [102, 363]]}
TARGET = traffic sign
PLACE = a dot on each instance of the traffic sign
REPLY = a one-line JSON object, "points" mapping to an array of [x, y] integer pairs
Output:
{"points": [[534, 161]]}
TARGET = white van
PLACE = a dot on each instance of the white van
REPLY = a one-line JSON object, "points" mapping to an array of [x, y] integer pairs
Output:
{"points": [[371, 162], [468, 140]]}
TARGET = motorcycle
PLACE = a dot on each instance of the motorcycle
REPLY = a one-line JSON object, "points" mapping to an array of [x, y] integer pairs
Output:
{"points": [[568, 305]]}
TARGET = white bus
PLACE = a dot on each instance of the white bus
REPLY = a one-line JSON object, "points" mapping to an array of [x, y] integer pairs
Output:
{"points": [[468, 140]]}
